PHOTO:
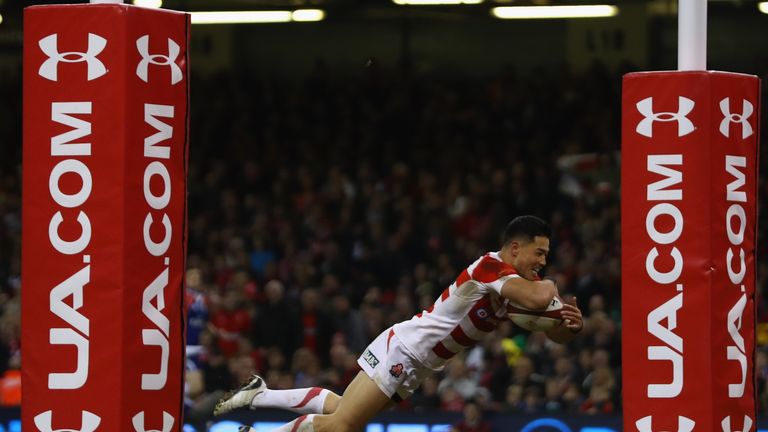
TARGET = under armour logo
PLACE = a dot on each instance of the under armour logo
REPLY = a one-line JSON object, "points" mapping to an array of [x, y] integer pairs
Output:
{"points": [[142, 44], [50, 47], [89, 422], [726, 424], [746, 111], [684, 424], [138, 423], [684, 125]]}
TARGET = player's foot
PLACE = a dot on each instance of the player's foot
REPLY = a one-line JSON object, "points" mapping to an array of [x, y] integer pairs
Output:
{"points": [[241, 397]]}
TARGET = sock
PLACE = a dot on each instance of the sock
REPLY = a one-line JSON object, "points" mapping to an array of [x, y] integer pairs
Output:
{"points": [[301, 424], [302, 401]]}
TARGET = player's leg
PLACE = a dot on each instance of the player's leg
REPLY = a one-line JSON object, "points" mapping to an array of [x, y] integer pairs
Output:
{"points": [[389, 371], [255, 394], [362, 400], [313, 400]]}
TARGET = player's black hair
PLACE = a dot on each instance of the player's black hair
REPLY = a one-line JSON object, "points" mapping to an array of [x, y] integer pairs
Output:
{"points": [[525, 228]]}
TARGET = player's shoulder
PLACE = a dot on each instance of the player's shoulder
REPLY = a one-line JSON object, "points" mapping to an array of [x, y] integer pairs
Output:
{"points": [[490, 267]]}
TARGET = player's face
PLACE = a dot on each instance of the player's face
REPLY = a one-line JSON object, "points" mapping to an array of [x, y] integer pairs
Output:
{"points": [[530, 256]]}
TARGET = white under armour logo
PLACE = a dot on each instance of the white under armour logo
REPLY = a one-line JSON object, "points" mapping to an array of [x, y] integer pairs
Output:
{"points": [[138, 423], [684, 125], [50, 47], [89, 422], [746, 111], [684, 424], [726, 424], [142, 44]]}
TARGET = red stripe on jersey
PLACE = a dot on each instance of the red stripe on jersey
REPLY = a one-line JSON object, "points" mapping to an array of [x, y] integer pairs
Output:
{"points": [[418, 315], [459, 336], [489, 270], [311, 394], [482, 316], [442, 351], [463, 278], [446, 293]]}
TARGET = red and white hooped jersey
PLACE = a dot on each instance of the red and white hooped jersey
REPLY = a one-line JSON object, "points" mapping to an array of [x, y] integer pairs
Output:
{"points": [[466, 312]]}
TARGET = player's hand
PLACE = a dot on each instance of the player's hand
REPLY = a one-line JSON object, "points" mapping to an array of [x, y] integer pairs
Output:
{"points": [[572, 317]]}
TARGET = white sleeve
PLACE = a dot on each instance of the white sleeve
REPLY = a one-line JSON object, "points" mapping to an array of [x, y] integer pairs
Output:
{"points": [[498, 283]]}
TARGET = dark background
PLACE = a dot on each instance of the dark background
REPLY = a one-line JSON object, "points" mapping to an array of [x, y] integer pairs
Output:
{"points": [[367, 159]]}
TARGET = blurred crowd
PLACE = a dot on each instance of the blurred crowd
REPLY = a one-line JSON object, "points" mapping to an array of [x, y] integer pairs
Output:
{"points": [[332, 209], [323, 210], [10, 241]]}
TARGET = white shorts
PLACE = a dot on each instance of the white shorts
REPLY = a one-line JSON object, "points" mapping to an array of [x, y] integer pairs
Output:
{"points": [[392, 367]]}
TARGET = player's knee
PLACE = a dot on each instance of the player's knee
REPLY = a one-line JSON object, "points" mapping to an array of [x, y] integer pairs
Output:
{"points": [[331, 403]]}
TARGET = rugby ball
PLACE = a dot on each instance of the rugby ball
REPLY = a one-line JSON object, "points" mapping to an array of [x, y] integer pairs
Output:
{"points": [[537, 320]]}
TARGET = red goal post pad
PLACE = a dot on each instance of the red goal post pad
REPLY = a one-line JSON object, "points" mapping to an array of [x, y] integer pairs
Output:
{"points": [[104, 222], [689, 206]]}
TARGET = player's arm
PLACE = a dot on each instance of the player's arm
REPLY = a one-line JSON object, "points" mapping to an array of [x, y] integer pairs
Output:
{"points": [[533, 295], [572, 324]]}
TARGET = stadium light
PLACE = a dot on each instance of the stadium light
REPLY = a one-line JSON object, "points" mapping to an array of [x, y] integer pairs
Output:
{"points": [[1, 18], [155, 4], [258, 17], [545, 12], [763, 7], [308, 15], [435, 2]]}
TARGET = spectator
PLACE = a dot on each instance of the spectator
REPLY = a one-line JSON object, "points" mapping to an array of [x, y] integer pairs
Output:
{"points": [[197, 303], [426, 397], [472, 421], [525, 375], [532, 401], [316, 325], [348, 322], [305, 368], [10, 384], [230, 322], [553, 390], [458, 380], [276, 323], [598, 402], [514, 398], [217, 378]]}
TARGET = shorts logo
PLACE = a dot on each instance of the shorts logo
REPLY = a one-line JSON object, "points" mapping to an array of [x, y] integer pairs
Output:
{"points": [[370, 358], [396, 370]]}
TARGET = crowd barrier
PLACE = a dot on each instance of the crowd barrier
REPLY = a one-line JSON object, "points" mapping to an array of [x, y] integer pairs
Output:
{"points": [[267, 420]]}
